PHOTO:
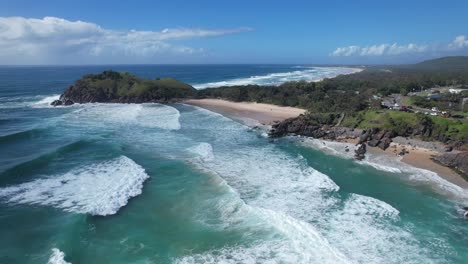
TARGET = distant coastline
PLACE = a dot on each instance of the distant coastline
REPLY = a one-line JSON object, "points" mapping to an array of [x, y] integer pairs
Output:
{"points": [[304, 73]]}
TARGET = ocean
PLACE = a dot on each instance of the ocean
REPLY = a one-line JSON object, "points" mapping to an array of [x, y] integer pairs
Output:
{"points": [[151, 183]]}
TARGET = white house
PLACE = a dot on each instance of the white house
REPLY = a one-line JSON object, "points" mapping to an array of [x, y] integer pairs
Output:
{"points": [[456, 91]]}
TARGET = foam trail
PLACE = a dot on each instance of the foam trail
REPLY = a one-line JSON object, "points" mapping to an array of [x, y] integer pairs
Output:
{"points": [[97, 189], [57, 257], [309, 74]]}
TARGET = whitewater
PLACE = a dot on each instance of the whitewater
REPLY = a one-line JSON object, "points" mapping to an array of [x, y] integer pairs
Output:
{"points": [[152, 183]]}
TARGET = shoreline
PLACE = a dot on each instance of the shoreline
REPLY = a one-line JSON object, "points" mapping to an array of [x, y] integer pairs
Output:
{"points": [[264, 115], [249, 113], [422, 158], [418, 157]]}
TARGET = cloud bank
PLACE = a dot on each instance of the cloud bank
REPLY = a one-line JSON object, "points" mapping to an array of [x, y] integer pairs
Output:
{"points": [[56, 40], [459, 44]]}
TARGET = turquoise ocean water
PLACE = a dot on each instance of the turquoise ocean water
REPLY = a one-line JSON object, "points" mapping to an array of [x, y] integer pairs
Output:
{"points": [[150, 183]]}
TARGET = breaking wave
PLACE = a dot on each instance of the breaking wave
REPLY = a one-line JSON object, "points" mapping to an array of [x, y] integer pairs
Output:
{"points": [[46, 101], [57, 257], [97, 189], [306, 74], [142, 115]]}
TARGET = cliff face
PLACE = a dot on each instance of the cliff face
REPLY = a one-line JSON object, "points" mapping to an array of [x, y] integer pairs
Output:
{"points": [[116, 87], [458, 161]]}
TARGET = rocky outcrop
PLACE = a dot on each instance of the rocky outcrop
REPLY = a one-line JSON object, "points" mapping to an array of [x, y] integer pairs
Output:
{"points": [[60, 102], [360, 151], [457, 161], [308, 128], [117, 87], [56, 103]]}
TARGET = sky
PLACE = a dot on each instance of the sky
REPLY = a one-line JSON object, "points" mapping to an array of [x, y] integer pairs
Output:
{"points": [[199, 32]]}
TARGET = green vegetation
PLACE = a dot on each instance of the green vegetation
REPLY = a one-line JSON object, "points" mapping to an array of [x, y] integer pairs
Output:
{"points": [[451, 63], [111, 86], [358, 95], [316, 97], [407, 124], [446, 102]]}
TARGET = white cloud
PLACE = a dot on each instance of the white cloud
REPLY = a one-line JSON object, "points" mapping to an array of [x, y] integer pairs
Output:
{"points": [[51, 39], [460, 43]]}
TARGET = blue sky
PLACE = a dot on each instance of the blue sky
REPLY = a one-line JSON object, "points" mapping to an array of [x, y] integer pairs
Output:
{"points": [[357, 32]]}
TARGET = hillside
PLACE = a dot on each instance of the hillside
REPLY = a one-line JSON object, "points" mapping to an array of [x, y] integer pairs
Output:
{"points": [[111, 86], [454, 63]]}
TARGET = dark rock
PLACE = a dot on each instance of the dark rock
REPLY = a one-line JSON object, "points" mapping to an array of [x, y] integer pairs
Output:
{"points": [[389, 134], [457, 161], [378, 136], [56, 103], [364, 136], [385, 143], [360, 151], [373, 142], [68, 102], [448, 148]]}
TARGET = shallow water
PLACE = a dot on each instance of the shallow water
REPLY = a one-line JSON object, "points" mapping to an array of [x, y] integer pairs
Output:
{"points": [[110, 183]]}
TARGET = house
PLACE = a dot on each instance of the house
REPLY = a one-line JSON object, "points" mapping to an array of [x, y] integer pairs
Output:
{"points": [[434, 96], [456, 91]]}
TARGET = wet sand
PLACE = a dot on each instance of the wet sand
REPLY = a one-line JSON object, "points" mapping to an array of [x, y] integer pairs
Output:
{"points": [[421, 158], [249, 113]]}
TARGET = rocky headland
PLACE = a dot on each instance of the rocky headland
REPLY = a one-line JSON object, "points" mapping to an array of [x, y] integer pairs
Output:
{"points": [[452, 155], [122, 87]]}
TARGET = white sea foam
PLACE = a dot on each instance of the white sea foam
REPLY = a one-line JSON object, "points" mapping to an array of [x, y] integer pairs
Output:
{"points": [[365, 230], [308, 74], [97, 189], [204, 150], [290, 194], [439, 184], [292, 241], [381, 167], [331, 147], [364, 205], [37, 101], [57, 257], [142, 115], [274, 236], [390, 164], [45, 101]]}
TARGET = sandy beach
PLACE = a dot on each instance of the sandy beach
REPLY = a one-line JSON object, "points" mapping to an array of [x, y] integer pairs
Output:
{"points": [[418, 157], [421, 158], [248, 113]]}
